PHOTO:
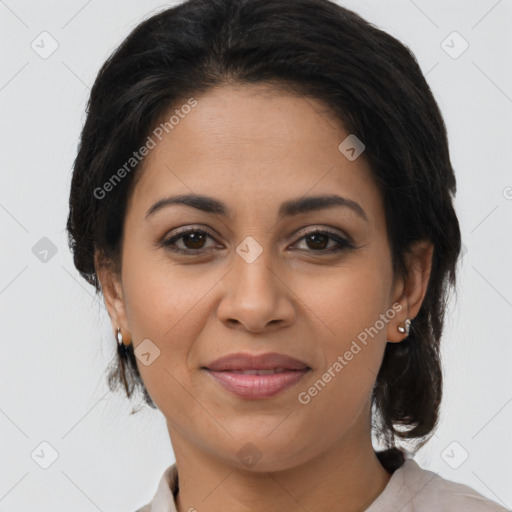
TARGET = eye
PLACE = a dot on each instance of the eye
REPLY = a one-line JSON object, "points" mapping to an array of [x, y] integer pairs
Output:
{"points": [[318, 239], [193, 240]]}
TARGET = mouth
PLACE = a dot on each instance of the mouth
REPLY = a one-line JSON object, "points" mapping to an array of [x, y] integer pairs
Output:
{"points": [[257, 376]]}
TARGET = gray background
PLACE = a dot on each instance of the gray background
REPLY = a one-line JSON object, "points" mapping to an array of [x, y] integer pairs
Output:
{"points": [[56, 338]]}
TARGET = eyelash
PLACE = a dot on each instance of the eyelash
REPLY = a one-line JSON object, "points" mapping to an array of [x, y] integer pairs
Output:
{"points": [[343, 243]]}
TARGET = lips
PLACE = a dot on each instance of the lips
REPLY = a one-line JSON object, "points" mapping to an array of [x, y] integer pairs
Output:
{"points": [[247, 362], [260, 376]]}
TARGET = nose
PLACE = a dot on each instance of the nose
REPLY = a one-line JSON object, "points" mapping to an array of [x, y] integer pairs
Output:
{"points": [[255, 298]]}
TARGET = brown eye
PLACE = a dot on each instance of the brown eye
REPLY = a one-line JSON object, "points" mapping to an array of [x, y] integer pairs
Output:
{"points": [[193, 240], [317, 241]]}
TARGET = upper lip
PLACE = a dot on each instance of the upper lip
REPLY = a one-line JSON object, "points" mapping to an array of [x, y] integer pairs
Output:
{"points": [[268, 361]]}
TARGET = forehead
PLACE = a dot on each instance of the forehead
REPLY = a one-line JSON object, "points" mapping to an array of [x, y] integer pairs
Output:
{"points": [[255, 143]]}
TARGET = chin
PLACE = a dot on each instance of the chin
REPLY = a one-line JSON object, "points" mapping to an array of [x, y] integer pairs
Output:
{"points": [[263, 453]]}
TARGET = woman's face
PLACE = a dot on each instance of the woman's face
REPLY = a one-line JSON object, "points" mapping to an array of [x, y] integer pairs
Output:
{"points": [[255, 280]]}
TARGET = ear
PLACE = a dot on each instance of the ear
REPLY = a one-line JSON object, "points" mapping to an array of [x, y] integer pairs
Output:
{"points": [[112, 290], [409, 293]]}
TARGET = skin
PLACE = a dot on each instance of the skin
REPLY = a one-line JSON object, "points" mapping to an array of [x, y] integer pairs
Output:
{"points": [[253, 148]]}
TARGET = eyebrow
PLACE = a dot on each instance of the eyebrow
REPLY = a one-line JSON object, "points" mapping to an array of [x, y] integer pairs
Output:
{"points": [[288, 208]]}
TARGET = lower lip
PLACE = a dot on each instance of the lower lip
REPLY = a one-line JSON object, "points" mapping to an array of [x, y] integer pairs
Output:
{"points": [[257, 386]]}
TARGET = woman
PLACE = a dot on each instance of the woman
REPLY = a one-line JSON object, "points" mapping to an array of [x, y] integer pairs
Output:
{"points": [[263, 195]]}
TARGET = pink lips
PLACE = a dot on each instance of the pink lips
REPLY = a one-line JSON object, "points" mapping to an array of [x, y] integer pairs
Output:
{"points": [[258, 376]]}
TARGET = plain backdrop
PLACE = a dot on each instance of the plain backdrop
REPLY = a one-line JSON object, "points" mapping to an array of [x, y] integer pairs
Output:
{"points": [[56, 340]]}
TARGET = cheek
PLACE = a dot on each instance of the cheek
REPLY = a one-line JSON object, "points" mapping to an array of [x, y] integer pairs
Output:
{"points": [[169, 305], [353, 308], [161, 296], [351, 300], [351, 357]]}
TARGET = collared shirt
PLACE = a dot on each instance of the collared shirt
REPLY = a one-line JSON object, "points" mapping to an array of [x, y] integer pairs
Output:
{"points": [[410, 489]]}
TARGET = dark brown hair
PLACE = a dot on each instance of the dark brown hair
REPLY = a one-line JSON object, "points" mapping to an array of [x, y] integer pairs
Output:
{"points": [[316, 48]]}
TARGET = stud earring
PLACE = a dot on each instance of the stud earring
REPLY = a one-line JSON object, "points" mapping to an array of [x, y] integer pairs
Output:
{"points": [[405, 329], [122, 349], [119, 336]]}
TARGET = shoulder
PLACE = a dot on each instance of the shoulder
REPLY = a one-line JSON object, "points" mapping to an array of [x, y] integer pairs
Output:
{"points": [[429, 491], [164, 496]]}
